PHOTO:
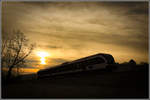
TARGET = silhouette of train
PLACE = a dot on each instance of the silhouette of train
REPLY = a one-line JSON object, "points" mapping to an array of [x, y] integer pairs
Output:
{"points": [[94, 62]]}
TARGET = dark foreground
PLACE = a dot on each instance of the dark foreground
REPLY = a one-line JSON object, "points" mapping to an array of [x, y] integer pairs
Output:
{"points": [[129, 84]]}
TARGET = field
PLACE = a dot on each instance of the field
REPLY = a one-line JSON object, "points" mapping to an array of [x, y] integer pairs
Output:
{"points": [[96, 84]]}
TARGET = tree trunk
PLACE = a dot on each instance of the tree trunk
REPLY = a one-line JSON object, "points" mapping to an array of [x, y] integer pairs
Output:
{"points": [[9, 72], [18, 73]]}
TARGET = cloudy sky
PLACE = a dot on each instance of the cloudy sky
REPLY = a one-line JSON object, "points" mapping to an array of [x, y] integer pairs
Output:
{"points": [[71, 30]]}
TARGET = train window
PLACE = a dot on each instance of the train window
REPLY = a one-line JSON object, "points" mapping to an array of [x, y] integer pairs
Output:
{"points": [[80, 64], [73, 66], [100, 60], [109, 59], [87, 62], [90, 62], [95, 61], [61, 68], [66, 68], [83, 64], [57, 70], [77, 65]]}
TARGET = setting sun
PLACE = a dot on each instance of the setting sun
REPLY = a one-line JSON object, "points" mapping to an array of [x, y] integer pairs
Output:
{"points": [[43, 55]]}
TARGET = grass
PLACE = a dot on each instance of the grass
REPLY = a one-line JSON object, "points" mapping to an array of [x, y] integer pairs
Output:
{"points": [[127, 84]]}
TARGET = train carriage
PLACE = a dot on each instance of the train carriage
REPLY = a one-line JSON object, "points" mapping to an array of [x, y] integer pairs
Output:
{"points": [[94, 62]]}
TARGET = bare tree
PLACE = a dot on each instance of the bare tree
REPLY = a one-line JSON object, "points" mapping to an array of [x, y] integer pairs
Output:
{"points": [[15, 49]]}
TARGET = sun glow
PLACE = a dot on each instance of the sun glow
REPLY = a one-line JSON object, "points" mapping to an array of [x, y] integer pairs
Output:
{"points": [[43, 56]]}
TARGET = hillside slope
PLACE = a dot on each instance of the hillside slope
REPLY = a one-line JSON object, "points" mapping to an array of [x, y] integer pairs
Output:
{"points": [[127, 84]]}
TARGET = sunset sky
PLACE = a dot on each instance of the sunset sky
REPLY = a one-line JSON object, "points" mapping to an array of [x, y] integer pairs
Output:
{"points": [[71, 30]]}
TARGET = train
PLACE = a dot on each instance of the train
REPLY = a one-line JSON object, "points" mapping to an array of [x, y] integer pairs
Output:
{"points": [[93, 62]]}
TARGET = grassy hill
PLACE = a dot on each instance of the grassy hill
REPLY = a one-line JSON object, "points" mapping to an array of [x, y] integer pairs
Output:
{"points": [[94, 84]]}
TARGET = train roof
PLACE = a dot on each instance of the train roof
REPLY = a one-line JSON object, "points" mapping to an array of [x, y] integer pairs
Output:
{"points": [[101, 54]]}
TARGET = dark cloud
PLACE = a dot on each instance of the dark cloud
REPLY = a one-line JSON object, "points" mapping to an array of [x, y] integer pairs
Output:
{"points": [[53, 47], [139, 8], [139, 11], [138, 42], [59, 60], [50, 46]]}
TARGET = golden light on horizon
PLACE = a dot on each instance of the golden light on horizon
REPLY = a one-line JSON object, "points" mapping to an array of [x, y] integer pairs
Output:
{"points": [[43, 56], [43, 60]]}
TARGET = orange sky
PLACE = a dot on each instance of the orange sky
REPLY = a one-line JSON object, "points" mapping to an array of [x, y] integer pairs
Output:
{"points": [[71, 30]]}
